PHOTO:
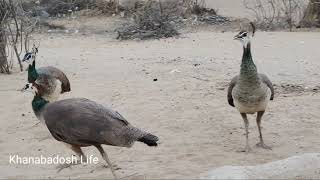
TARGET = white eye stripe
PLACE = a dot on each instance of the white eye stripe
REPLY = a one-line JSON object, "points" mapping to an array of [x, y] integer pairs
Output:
{"points": [[29, 85], [243, 34]]}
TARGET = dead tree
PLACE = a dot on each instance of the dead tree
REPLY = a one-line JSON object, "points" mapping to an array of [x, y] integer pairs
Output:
{"points": [[311, 15]]}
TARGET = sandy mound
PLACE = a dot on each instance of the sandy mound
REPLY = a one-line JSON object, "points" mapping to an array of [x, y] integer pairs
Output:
{"points": [[305, 166]]}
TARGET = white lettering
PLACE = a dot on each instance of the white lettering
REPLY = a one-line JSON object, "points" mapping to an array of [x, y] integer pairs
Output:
{"points": [[42, 160]]}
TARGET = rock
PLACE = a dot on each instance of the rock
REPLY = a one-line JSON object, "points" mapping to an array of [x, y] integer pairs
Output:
{"points": [[305, 166]]}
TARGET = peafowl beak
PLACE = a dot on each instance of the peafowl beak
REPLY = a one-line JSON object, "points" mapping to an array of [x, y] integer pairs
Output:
{"points": [[28, 87], [25, 87], [236, 37]]}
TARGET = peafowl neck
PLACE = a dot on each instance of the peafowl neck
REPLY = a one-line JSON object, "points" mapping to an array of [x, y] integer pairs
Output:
{"points": [[38, 103], [248, 71], [32, 73]]}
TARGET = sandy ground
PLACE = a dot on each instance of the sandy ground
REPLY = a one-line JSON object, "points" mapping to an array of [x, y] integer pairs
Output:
{"points": [[186, 107], [305, 166]]}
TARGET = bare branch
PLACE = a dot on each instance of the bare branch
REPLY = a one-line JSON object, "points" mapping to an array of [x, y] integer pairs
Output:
{"points": [[272, 14], [13, 34]]}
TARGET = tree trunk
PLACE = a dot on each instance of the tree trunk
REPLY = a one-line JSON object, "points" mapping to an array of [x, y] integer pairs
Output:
{"points": [[311, 15], [116, 6], [4, 66]]}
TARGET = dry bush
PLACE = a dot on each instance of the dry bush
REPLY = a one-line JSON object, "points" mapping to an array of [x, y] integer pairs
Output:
{"points": [[107, 7], [151, 20], [168, 7], [61, 7], [58, 7], [53, 8], [162, 18], [311, 17], [15, 28], [275, 14]]}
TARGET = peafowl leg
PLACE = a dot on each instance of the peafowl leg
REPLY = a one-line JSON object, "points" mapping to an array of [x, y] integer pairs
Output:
{"points": [[261, 143], [246, 124], [79, 152], [105, 157]]}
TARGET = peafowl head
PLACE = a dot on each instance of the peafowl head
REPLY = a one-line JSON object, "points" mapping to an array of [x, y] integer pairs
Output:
{"points": [[29, 57], [40, 87], [244, 36], [44, 86], [30, 87]]}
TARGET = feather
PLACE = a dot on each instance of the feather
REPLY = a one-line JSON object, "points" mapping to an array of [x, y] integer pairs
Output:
{"points": [[230, 88], [58, 74], [83, 122], [49, 71], [267, 81]]}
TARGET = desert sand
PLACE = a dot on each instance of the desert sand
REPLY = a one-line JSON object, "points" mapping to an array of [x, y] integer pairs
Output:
{"points": [[305, 166], [186, 107]]}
